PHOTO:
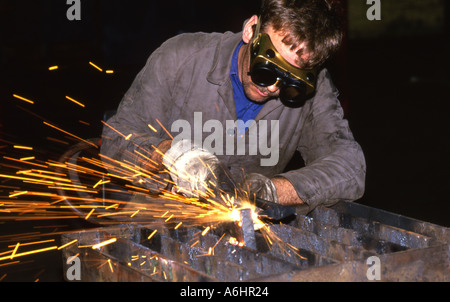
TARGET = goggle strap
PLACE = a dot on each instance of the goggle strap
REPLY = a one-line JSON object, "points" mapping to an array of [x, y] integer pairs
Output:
{"points": [[258, 26], [256, 32]]}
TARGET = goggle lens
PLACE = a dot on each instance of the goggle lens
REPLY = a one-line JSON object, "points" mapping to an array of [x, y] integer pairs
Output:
{"points": [[292, 92], [293, 95], [263, 76]]}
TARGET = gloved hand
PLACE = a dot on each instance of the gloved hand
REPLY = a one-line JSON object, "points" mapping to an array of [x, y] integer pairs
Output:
{"points": [[191, 168], [260, 186]]}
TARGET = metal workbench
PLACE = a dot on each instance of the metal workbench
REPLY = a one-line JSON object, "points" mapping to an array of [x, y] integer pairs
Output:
{"points": [[331, 244]]}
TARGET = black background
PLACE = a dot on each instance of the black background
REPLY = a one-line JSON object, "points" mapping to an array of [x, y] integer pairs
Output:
{"points": [[394, 89]]}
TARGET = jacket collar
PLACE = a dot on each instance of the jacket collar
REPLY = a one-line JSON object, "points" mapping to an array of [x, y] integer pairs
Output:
{"points": [[220, 71]]}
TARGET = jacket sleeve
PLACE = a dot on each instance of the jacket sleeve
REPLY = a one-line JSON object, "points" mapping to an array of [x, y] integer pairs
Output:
{"points": [[128, 136], [335, 167]]}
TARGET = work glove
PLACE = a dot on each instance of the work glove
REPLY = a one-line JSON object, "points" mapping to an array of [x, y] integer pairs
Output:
{"points": [[192, 169], [259, 186]]}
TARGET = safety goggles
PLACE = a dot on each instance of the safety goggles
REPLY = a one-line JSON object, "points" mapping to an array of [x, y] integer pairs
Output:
{"points": [[268, 67]]}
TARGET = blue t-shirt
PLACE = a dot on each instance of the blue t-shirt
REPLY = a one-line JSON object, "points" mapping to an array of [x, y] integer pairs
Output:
{"points": [[245, 109]]}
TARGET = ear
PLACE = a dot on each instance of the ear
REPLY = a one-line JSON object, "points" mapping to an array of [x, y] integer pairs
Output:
{"points": [[247, 33]]}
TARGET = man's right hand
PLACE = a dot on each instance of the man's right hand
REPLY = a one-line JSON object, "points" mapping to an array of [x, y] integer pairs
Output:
{"points": [[191, 168]]}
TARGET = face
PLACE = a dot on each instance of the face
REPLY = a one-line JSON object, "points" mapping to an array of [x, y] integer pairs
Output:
{"points": [[257, 93]]}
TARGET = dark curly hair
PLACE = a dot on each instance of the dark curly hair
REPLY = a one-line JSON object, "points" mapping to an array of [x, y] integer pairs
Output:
{"points": [[318, 23]]}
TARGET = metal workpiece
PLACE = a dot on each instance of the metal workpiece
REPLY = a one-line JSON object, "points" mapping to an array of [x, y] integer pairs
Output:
{"points": [[165, 259], [247, 231], [338, 243], [270, 211]]}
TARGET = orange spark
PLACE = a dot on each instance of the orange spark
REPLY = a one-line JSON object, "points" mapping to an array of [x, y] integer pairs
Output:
{"points": [[31, 252], [85, 123], [75, 101], [23, 161], [101, 182], [73, 257], [88, 215], [218, 240], [23, 147], [110, 265], [53, 126], [35, 242], [233, 241], [14, 251], [112, 206], [25, 178], [205, 231], [109, 241], [164, 129], [17, 194], [98, 68], [112, 128], [5, 264], [67, 244], [29, 173], [23, 99], [28, 158], [137, 188], [151, 235]]}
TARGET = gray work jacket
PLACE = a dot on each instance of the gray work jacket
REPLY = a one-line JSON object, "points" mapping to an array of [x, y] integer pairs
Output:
{"points": [[189, 75]]}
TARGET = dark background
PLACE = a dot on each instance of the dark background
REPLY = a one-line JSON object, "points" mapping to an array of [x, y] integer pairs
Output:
{"points": [[393, 85]]}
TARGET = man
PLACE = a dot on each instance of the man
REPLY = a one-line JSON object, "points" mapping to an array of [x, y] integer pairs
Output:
{"points": [[214, 77]]}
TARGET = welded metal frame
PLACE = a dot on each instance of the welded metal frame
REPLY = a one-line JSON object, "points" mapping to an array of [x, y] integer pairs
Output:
{"points": [[333, 245]]}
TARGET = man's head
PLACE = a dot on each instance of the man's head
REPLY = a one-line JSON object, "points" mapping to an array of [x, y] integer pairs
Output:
{"points": [[304, 32], [317, 24]]}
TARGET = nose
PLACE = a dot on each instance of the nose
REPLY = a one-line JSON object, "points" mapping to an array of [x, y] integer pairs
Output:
{"points": [[273, 88]]}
